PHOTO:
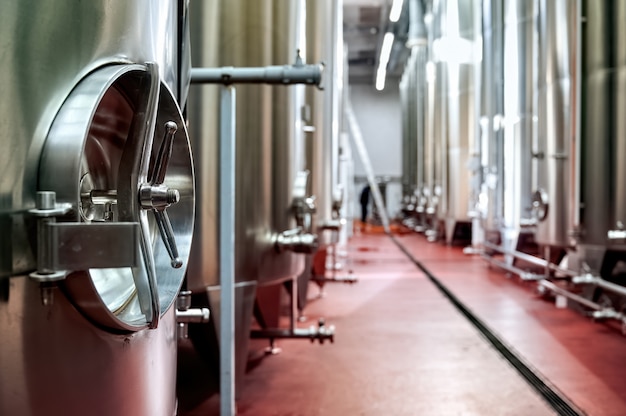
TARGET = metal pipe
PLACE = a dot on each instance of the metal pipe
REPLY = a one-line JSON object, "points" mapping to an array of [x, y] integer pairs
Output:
{"points": [[227, 149], [524, 275], [193, 316], [600, 312], [530, 259], [600, 282], [283, 75], [560, 291], [320, 333]]}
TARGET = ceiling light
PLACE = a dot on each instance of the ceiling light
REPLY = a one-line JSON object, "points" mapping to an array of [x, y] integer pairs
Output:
{"points": [[396, 10]]}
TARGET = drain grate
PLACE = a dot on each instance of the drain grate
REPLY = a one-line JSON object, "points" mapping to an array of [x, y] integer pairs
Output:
{"points": [[551, 394]]}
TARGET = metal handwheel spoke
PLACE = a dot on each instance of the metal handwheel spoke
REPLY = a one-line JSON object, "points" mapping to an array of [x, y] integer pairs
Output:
{"points": [[158, 197], [148, 294], [167, 234], [149, 121], [132, 177]]}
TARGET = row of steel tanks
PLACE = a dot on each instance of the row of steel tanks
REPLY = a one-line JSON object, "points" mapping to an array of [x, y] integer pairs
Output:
{"points": [[440, 89], [537, 147], [287, 161], [96, 206]]}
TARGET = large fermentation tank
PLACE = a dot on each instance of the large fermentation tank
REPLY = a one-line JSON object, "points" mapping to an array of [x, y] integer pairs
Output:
{"points": [[455, 53], [411, 136], [492, 108], [324, 43], [269, 157], [86, 316], [435, 116], [603, 211], [509, 124], [556, 199], [412, 90]]}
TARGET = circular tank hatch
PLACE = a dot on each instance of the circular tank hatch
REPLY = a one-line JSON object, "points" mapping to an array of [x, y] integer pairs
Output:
{"points": [[118, 152]]}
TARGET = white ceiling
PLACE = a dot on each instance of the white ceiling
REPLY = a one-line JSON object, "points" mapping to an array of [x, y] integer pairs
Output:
{"points": [[363, 24]]}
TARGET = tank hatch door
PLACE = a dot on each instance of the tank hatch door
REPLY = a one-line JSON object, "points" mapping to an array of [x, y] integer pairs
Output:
{"points": [[116, 199]]}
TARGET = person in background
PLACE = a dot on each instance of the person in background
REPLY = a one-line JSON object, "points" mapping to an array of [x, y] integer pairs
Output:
{"points": [[364, 200]]}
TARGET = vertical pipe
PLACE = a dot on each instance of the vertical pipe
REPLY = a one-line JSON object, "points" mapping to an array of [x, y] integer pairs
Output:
{"points": [[227, 250]]}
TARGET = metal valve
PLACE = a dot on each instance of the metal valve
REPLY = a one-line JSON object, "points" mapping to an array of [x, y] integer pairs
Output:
{"points": [[186, 316], [297, 241]]}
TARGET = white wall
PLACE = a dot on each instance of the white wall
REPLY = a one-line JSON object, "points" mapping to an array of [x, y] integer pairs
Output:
{"points": [[379, 116]]}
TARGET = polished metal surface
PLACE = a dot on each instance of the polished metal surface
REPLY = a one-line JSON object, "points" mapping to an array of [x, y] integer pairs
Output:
{"points": [[100, 111], [508, 117], [54, 361], [618, 38], [601, 193], [558, 127], [44, 59], [270, 148], [520, 111], [492, 108], [58, 355], [455, 50], [412, 90], [269, 154], [324, 44]]}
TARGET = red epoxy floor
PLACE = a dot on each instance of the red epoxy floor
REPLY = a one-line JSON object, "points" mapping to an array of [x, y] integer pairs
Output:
{"points": [[585, 360], [402, 349]]}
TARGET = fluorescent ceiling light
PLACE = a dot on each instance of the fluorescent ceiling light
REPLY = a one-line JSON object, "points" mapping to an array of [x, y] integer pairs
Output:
{"points": [[381, 74], [385, 53], [385, 50], [396, 10]]}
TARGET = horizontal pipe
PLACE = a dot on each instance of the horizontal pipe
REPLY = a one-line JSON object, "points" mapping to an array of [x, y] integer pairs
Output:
{"points": [[530, 259], [195, 316], [521, 273], [560, 291], [283, 75], [598, 281], [312, 333]]}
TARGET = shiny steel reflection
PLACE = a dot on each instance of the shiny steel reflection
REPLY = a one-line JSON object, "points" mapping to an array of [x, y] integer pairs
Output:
{"points": [[557, 130], [53, 358]]}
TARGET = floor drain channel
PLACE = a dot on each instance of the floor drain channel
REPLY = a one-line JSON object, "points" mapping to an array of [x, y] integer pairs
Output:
{"points": [[554, 398]]}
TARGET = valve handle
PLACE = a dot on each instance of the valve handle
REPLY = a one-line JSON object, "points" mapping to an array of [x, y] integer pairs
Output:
{"points": [[167, 234], [157, 176], [147, 192], [133, 173], [158, 197]]}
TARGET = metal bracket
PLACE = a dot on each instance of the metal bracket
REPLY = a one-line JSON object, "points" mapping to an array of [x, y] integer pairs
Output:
{"points": [[78, 246]]}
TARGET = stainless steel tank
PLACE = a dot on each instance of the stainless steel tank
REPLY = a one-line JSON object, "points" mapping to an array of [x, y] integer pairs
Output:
{"points": [[413, 91], [324, 43], [555, 201], [409, 155], [518, 124], [436, 113], [492, 109], [269, 156], [618, 37], [602, 142], [85, 308], [456, 50]]}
